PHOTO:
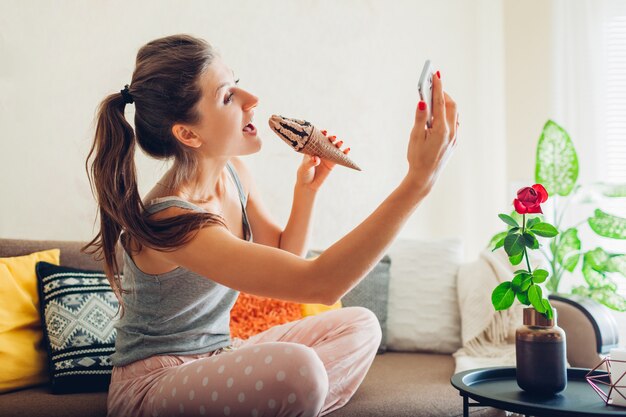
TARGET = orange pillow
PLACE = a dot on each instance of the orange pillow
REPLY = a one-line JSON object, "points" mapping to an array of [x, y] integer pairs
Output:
{"points": [[252, 314]]}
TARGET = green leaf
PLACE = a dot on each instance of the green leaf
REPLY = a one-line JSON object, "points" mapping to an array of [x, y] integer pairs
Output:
{"points": [[530, 240], [545, 230], [513, 230], [582, 290], [557, 163], [617, 263], [523, 298], [508, 220], [568, 243], [517, 217], [613, 190], [548, 308], [526, 282], [516, 259], [534, 296], [594, 267], [523, 280], [516, 284], [603, 295], [598, 259], [503, 296], [608, 225], [539, 275], [513, 245], [495, 240], [498, 245], [531, 222]]}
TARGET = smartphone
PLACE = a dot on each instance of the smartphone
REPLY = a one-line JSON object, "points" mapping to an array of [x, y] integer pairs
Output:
{"points": [[425, 88]]}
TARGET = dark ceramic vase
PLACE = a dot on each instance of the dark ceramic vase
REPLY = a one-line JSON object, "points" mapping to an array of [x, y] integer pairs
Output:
{"points": [[540, 350]]}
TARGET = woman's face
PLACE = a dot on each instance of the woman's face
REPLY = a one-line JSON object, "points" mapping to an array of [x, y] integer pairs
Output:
{"points": [[225, 109]]}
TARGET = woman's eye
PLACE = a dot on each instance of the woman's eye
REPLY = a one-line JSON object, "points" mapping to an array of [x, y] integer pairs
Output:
{"points": [[230, 97]]}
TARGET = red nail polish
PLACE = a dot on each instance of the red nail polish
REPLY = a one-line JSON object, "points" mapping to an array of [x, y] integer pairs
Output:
{"points": [[438, 75], [332, 137], [324, 132], [347, 150], [422, 105], [338, 144]]}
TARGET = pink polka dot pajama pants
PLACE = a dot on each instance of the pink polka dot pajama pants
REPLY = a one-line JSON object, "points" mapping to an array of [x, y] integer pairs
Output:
{"points": [[309, 367]]}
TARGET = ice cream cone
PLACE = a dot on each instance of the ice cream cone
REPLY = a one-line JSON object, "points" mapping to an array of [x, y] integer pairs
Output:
{"points": [[305, 138]]}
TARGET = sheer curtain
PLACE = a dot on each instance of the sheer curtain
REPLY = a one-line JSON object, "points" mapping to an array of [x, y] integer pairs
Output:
{"points": [[590, 101], [590, 83]]}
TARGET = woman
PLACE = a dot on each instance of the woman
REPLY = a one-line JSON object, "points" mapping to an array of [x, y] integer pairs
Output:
{"points": [[188, 248]]}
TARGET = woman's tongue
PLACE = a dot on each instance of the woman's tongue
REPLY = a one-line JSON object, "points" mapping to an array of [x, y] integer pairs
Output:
{"points": [[249, 128]]}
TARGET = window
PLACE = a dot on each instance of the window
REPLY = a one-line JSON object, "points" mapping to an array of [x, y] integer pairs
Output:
{"points": [[589, 96], [614, 150]]}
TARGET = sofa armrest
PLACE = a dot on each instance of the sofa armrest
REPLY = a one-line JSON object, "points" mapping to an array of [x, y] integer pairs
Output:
{"points": [[589, 327]]}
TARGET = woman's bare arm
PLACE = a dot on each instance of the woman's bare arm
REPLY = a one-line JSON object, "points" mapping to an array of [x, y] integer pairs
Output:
{"points": [[270, 272]]}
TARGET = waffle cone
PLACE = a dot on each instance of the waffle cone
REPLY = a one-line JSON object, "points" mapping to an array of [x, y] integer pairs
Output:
{"points": [[320, 145]]}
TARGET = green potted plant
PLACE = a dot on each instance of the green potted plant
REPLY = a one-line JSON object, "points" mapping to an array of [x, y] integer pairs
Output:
{"points": [[556, 169], [540, 345], [518, 240]]}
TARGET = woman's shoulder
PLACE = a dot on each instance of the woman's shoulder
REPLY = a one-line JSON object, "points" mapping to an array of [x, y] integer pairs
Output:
{"points": [[153, 198]]}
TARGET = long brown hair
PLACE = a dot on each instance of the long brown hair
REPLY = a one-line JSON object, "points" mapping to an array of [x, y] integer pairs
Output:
{"points": [[165, 89]]}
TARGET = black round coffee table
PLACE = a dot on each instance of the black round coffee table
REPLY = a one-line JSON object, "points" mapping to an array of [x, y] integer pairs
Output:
{"points": [[497, 387]]}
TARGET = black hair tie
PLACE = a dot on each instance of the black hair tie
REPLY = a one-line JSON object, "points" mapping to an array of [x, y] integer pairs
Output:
{"points": [[128, 98]]}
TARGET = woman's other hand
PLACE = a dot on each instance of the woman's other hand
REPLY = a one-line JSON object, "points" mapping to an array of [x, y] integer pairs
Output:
{"points": [[314, 170], [430, 148]]}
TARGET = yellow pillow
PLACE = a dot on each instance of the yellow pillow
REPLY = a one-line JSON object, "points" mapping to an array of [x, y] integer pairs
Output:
{"points": [[313, 309], [22, 353]]}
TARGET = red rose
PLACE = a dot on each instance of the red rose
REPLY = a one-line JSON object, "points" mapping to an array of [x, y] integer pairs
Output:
{"points": [[529, 199]]}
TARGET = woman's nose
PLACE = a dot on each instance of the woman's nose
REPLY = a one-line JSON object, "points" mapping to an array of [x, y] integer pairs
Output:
{"points": [[251, 101]]}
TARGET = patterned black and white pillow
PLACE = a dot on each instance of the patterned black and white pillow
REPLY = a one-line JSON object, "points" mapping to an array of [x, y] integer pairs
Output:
{"points": [[77, 309]]}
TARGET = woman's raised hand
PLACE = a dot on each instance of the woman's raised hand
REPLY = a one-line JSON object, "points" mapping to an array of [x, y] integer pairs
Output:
{"points": [[314, 170], [430, 148]]}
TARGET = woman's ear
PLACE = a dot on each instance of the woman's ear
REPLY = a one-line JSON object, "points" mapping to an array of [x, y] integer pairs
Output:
{"points": [[186, 136]]}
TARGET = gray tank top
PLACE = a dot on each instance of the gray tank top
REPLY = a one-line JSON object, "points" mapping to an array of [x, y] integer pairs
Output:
{"points": [[179, 312]]}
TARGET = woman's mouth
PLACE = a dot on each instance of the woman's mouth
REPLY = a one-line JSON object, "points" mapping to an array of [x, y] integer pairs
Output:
{"points": [[250, 129]]}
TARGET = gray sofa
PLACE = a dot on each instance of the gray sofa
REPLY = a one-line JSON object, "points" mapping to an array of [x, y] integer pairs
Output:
{"points": [[398, 383]]}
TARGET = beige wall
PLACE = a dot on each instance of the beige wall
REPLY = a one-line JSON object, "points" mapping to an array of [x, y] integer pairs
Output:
{"points": [[529, 79]]}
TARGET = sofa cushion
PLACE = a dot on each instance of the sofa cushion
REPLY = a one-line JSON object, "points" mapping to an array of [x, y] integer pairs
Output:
{"points": [[372, 293], [40, 402], [22, 353], [77, 311], [423, 303], [409, 384]]}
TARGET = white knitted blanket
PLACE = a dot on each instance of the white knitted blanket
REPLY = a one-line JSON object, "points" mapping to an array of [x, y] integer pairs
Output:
{"points": [[488, 336]]}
